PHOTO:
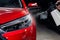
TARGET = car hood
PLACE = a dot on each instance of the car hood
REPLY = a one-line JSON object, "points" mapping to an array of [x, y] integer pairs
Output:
{"points": [[9, 14]]}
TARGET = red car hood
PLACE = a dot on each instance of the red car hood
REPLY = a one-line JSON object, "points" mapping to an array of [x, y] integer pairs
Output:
{"points": [[9, 14]]}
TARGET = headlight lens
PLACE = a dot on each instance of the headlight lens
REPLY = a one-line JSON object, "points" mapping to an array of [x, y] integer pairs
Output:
{"points": [[17, 24]]}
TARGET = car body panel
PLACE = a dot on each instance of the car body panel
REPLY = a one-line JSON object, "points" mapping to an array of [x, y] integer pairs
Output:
{"points": [[28, 33], [8, 14]]}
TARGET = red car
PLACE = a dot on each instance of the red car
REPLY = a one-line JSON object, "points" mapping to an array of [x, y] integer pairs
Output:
{"points": [[16, 23]]}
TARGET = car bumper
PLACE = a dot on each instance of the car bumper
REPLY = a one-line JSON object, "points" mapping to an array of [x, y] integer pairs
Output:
{"points": [[28, 33]]}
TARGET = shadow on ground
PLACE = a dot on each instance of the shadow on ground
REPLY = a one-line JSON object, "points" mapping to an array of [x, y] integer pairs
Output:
{"points": [[44, 33]]}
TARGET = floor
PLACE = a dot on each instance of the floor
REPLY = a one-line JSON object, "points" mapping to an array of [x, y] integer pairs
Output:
{"points": [[44, 33]]}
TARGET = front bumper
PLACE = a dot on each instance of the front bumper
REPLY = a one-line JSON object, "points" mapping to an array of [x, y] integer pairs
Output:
{"points": [[28, 33]]}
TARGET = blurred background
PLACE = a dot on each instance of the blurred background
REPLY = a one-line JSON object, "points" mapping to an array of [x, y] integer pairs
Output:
{"points": [[46, 28]]}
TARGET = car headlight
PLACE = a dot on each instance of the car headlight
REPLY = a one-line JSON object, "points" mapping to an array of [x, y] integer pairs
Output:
{"points": [[17, 24]]}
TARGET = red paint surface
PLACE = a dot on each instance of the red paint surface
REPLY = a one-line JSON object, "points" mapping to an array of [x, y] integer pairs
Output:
{"points": [[32, 5], [8, 14], [22, 34]]}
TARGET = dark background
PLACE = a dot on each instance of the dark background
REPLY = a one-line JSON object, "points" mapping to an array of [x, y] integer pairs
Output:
{"points": [[42, 3]]}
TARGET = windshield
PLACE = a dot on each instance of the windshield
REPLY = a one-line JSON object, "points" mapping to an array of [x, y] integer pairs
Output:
{"points": [[10, 3]]}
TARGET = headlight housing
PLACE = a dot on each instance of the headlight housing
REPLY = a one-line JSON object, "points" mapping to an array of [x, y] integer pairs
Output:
{"points": [[17, 24]]}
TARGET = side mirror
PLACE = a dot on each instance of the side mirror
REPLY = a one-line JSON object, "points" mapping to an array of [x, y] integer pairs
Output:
{"points": [[32, 5]]}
